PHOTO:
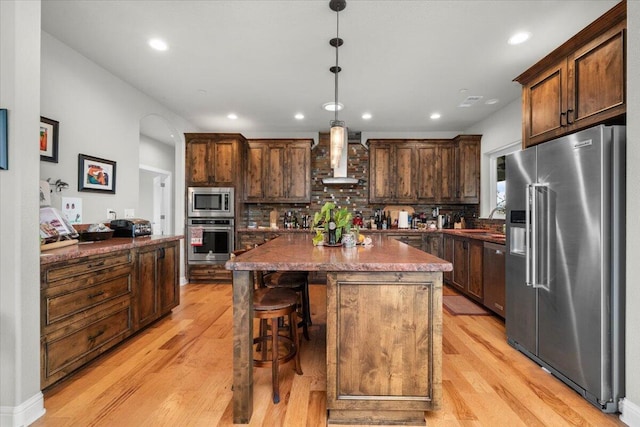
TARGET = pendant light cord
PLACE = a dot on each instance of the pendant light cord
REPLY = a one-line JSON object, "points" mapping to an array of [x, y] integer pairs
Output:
{"points": [[337, 67]]}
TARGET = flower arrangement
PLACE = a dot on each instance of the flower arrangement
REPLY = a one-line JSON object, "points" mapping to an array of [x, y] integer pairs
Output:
{"points": [[342, 218]]}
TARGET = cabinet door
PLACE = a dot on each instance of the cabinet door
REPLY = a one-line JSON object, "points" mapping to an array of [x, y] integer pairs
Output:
{"points": [[460, 264], [433, 244], [544, 103], [254, 177], [380, 158], [223, 163], [146, 296], [427, 184], [447, 254], [474, 284], [597, 85], [275, 188], [404, 168], [298, 167], [447, 185], [469, 171], [168, 282], [198, 161]]}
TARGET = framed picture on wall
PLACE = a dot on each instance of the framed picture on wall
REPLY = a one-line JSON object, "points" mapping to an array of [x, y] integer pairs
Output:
{"points": [[48, 140], [4, 140], [95, 174]]}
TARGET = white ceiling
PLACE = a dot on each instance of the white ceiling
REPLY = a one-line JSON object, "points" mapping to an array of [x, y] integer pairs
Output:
{"points": [[267, 60]]}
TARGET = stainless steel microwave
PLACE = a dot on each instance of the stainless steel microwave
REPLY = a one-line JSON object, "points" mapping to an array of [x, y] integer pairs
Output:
{"points": [[210, 202]]}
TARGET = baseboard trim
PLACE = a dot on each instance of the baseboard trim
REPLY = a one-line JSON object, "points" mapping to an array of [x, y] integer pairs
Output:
{"points": [[24, 414], [630, 413]]}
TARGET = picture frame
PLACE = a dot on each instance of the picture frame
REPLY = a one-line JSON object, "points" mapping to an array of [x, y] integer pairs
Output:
{"points": [[48, 140], [4, 140], [96, 174]]}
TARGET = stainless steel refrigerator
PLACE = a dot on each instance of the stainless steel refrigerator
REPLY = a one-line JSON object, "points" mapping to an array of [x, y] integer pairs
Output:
{"points": [[565, 259]]}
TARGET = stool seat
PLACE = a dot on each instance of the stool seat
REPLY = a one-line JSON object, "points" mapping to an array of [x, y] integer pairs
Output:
{"points": [[266, 299]]}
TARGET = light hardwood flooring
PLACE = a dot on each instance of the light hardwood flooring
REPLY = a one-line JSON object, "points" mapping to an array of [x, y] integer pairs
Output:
{"points": [[178, 372]]}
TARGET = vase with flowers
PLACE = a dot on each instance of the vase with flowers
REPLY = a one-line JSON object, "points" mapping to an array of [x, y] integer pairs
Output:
{"points": [[330, 220]]}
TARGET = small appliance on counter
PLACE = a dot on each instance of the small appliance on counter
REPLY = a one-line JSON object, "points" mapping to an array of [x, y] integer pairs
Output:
{"points": [[131, 227]]}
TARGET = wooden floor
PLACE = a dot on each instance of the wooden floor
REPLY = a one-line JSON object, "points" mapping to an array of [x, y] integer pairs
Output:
{"points": [[178, 373]]}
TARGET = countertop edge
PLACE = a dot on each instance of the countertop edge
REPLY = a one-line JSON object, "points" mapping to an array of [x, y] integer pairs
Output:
{"points": [[85, 249]]}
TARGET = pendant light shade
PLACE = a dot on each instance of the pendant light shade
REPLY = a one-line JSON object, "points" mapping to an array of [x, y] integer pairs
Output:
{"points": [[338, 140]]}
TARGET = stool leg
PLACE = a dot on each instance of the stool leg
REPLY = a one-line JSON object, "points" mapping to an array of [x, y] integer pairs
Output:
{"points": [[274, 363], [263, 342], [296, 341]]}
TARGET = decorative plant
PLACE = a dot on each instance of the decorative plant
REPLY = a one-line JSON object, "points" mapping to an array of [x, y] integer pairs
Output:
{"points": [[342, 218]]}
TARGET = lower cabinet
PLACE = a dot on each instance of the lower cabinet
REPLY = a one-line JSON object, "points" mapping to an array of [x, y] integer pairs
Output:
{"points": [[466, 256], [157, 282], [494, 277], [92, 303]]}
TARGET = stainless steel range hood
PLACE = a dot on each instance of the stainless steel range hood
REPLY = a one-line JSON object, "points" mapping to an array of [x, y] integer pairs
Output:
{"points": [[340, 172]]}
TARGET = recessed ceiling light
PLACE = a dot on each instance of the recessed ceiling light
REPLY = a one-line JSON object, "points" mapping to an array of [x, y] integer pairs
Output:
{"points": [[232, 116], [158, 44], [299, 116], [435, 116], [331, 106], [518, 38], [491, 101], [367, 116]]}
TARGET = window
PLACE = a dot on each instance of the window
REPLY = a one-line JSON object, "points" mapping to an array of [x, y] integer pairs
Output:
{"points": [[497, 178]]}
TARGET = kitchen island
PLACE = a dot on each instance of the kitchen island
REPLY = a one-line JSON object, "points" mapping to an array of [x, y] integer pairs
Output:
{"points": [[384, 326]]}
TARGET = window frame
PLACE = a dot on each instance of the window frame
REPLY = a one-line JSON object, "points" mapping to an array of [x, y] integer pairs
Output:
{"points": [[493, 174]]}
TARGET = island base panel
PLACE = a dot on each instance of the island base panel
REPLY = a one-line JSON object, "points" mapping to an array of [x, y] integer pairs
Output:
{"points": [[384, 346]]}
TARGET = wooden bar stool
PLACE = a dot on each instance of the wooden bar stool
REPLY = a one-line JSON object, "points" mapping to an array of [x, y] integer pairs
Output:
{"points": [[297, 281], [275, 304]]}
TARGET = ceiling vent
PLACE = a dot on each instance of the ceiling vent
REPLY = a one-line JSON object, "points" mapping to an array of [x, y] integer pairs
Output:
{"points": [[470, 100]]}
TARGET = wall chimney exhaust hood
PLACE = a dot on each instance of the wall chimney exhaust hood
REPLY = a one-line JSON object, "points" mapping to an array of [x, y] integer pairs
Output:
{"points": [[340, 172]]}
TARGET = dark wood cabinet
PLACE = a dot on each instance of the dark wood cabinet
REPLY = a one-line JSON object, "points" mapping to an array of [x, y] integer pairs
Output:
{"points": [[156, 291], [433, 244], [278, 171], [468, 163], [580, 84], [466, 255], [212, 159], [392, 171], [494, 277], [90, 304], [425, 171]]}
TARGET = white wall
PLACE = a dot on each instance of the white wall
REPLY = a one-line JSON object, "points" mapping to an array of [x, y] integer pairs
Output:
{"points": [[498, 131], [20, 399], [631, 412], [99, 115], [156, 154]]}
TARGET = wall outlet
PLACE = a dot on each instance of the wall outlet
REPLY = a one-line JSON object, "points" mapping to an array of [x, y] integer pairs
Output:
{"points": [[129, 213], [111, 214]]}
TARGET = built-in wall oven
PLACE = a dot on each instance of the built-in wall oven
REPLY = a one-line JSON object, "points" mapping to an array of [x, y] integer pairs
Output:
{"points": [[209, 240]]}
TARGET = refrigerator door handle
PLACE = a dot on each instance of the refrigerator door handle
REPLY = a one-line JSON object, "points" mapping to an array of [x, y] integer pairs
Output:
{"points": [[533, 221], [527, 235]]}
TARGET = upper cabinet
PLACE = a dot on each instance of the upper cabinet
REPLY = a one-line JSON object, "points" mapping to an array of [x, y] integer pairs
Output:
{"points": [[278, 171], [212, 159], [425, 171], [580, 84], [392, 170]]}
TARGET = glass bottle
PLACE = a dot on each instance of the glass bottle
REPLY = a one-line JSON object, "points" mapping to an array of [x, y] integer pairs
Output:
{"points": [[332, 229]]}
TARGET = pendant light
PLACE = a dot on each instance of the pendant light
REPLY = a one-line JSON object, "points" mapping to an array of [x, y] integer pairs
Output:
{"points": [[338, 134]]}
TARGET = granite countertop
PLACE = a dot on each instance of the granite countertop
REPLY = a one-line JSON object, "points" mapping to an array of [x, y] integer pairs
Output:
{"points": [[295, 251], [473, 233], [84, 249]]}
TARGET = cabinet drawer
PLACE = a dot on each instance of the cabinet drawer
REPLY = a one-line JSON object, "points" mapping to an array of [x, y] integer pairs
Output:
{"points": [[63, 353], [66, 304], [209, 273], [90, 265]]}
